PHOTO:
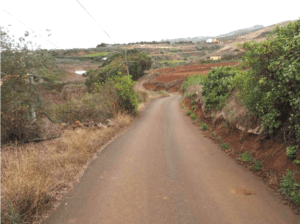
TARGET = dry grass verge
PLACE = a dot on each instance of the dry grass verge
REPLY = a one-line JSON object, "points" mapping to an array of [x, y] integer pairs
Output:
{"points": [[35, 175]]}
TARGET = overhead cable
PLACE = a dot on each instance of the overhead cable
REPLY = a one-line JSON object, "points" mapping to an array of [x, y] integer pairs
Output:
{"points": [[95, 21], [30, 28]]}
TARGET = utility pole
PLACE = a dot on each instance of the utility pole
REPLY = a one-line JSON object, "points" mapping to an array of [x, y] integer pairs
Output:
{"points": [[126, 61]]}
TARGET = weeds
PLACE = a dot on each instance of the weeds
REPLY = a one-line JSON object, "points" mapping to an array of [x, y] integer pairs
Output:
{"points": [[291, 151], [188, 112], [247, 157], [219, 139], [225, 146], [204, 127], [213, 134], [257, 165], [194, 116], [297, 162], [290, 187]]}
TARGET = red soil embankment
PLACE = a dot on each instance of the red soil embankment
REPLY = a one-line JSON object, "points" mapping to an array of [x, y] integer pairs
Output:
{"points": [[170, 79]]}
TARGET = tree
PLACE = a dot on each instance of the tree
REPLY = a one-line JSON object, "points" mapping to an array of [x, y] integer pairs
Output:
{"points": [[20, 101]]}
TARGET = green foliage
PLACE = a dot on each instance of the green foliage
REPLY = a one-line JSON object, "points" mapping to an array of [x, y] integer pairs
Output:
{"points": [[102, 45], [50, 75], [17, 58], [193, 107], [213, 134], [291, 151], [194, 116], [297, 162], [87, 73], [193, 80], [97, 54], [188, 112], [257, 165], [246, 157], [290, 187], [116, 64], [225, 146], [95, 107], [21, 106], [124, 97], [216, 88], [127, 97], [271, 88], [204, 126]]}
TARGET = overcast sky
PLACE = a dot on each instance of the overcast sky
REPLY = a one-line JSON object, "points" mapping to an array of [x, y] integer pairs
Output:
{"points": [[136, 20]]}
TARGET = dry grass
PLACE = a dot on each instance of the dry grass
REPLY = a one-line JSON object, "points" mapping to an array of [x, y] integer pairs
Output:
{"points": [[34, 175]]}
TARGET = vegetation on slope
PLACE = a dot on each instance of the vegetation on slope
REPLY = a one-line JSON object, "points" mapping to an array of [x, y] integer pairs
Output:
{"points": [[115, 65], [268, 86], [33, 174]]}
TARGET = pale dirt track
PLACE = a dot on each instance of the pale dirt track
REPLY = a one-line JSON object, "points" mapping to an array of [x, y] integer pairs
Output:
{"points": [[162, 170]]}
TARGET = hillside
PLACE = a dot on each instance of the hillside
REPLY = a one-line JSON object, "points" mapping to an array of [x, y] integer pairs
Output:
{"points": [[231, 34]]}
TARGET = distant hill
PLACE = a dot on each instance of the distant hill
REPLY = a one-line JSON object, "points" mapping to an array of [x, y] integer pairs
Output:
{"points": [[229, 35]]}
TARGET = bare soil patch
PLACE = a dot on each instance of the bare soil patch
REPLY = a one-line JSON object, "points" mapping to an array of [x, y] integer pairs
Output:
{"points": [[72, 67], [170, 79]]}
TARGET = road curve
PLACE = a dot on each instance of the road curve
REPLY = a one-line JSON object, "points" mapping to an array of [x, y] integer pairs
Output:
{"points": [[163, 170]]}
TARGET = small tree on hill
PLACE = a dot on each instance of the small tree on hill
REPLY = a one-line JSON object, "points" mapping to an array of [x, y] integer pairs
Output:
{"points": [[20, 101]]}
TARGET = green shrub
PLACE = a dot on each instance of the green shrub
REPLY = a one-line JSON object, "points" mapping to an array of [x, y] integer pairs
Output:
{"points": [[225, 146], [204, 126], [290, 187], [188, 112], [20, 106], [87, 73], [247, 157], [126, 95], [257, 165], [116, 64], [192, 80], [297, 162], [291, 151], [271, 88], [90, 107], [194, 116], [193, 107], [217, 88]]}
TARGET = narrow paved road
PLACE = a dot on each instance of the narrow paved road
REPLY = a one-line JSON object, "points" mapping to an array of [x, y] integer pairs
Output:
{"points": [[162, 170]]}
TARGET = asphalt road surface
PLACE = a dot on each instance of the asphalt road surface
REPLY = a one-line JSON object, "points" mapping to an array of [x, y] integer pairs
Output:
{"points": [[163, 170]]}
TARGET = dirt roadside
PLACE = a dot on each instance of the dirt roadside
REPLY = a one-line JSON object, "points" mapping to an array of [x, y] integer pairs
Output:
{"points": [[270, 153]]}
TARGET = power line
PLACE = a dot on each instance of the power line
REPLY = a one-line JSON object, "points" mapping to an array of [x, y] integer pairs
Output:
{"points": [[95, 21], [30, 28]]}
